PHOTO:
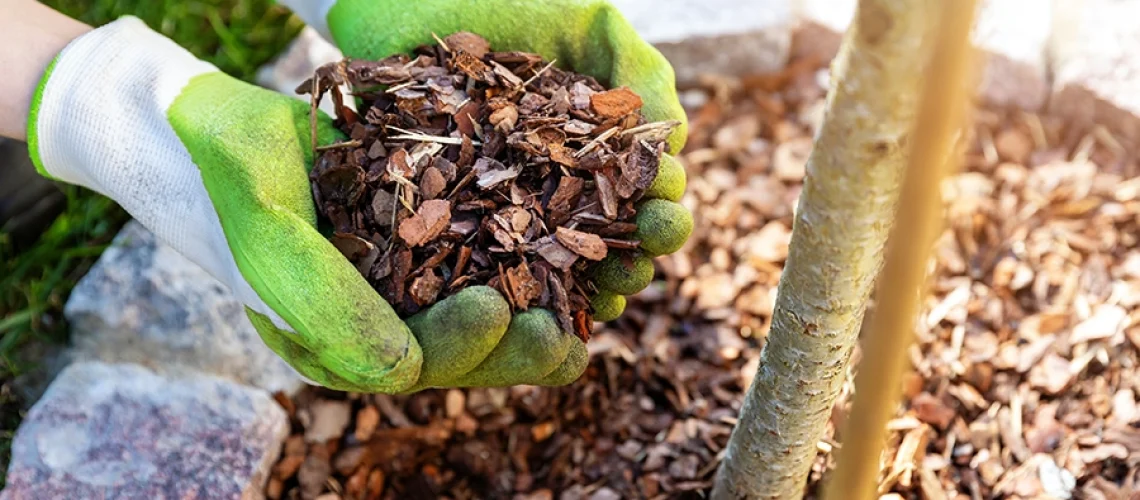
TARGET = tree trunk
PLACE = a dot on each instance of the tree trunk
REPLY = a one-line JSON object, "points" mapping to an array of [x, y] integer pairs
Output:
{"points": [[838, 237]]}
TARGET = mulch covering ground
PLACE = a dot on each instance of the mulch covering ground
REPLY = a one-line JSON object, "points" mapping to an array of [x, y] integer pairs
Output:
{"points": [[1025, 368]]}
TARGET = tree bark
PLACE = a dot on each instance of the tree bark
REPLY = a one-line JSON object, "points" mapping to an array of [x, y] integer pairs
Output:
{"points": [[840, 230]]}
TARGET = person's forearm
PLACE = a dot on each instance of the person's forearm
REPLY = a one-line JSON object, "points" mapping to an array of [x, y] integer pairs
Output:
{"points": [[30, 37]]}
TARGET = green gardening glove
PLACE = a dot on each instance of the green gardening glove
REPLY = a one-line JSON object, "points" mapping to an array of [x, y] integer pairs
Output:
{"points": [[587, 36]]}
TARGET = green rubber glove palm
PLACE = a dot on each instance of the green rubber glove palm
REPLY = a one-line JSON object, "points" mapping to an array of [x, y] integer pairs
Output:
{"points": [[588, 36]]}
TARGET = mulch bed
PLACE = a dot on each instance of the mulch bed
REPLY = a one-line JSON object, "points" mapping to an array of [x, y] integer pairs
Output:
{"points": [[465, 166], [1025, 382]]}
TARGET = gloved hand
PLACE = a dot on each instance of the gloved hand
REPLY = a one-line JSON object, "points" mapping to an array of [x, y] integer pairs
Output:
{"points": [[587, 36], [216, 168]]}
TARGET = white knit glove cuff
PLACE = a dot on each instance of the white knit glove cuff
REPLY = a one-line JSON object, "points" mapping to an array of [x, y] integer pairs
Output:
{"points": [[102, 123]]}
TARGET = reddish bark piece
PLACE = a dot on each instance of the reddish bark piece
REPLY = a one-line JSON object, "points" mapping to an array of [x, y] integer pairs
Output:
{"points": [[472, 66], [587, 245], [399, 166], [565, 197], [615, 103], [607, 194], [432, 184], [425, 288], [524, 288], [468, 42], [401, 266], [427, 224], [583, 324], [465, 122], [505, 118], [461, 263], [466, 152]]}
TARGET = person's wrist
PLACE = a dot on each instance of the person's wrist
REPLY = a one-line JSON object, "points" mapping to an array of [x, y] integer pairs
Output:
{"points": [[40, 33]]}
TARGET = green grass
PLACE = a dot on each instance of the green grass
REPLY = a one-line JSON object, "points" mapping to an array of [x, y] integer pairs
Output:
{"points": [[237, 36]]}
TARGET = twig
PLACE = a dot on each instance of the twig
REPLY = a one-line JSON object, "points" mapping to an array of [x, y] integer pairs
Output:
{"points": [[442, 44], [462, 183], [539, 73], [622, 244], [427, 138], [346, 144], [396, 88], [654, 126], [313, 99], [592, 145]]}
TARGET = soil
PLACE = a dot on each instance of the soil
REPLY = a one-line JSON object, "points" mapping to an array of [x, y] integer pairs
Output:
{"points": [[463, 166], [1024, 374]]}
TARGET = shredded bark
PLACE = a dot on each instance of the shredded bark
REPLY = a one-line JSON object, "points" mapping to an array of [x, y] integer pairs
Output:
{"points": [[464, 166]]}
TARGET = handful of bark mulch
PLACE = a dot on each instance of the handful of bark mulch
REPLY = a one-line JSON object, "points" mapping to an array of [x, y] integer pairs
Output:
{"points": [[470, 167]]}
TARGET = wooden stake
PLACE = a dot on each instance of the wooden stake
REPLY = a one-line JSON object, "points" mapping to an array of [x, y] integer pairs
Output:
{"points": [[878, 385]]}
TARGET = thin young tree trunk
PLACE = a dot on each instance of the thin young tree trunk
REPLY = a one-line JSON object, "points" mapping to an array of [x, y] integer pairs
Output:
{"points": [[838, 237]]}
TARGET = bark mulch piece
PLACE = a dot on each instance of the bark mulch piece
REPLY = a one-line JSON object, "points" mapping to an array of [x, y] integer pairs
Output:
{"points": [[1025, 371], [463, 166]]}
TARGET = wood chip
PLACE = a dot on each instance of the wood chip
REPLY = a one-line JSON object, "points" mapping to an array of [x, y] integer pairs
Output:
{"points": [[433, 183], [425, 226], [425, 288], [615, 103], [524, 288], [587, 245]]}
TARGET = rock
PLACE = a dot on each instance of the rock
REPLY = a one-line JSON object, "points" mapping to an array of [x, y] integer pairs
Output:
{"points": [[122, 431], [145, 303], [1095, 65]]}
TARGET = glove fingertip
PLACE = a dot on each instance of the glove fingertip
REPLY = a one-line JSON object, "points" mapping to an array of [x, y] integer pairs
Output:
{"points": [[458, 333], [663, 227], [607, 306], [533, 347], [670, 181], [571, 368], [612, 274]]}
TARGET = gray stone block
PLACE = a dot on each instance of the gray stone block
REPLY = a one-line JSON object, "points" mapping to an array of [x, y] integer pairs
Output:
{"points": [[145, 303], [122, 431]]}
